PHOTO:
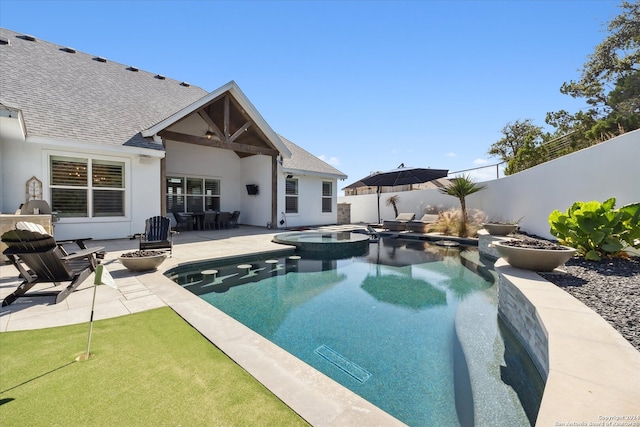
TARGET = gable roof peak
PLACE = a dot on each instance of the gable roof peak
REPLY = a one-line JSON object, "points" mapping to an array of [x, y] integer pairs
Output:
{"points": [[232, 88]]}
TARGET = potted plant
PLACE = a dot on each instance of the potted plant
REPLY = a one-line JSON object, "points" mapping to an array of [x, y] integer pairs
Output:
{"points": [[501, 227], [142, 260], [533, 254]]}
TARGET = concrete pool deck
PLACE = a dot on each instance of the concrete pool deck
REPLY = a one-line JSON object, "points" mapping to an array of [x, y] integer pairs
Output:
{"points": [[576, 393]]}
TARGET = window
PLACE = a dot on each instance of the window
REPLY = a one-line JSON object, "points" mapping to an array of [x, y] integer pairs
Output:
{"points": [[327, 196], [211, 195], [192, 194], [195, 201], [74, 195], [291, 196]]}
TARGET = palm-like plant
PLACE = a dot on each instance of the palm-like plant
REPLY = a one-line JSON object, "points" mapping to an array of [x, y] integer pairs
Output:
{"points": [[461, 187], [393, 201]]}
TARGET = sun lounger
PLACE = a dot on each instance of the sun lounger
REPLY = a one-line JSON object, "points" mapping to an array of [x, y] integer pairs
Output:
{"points": [[422, 225], [400, 223]]}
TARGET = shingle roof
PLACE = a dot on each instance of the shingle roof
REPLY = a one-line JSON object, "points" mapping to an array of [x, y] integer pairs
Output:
{"points": [[77, 97], [303, 161], [73, 97]]}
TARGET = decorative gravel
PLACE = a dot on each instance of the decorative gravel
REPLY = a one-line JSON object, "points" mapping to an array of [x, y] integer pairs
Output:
{"points": [[610, 287], [533, 244], [140, 254]]}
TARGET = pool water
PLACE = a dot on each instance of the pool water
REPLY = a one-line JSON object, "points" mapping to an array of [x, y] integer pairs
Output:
{"points": [[393, 325]]}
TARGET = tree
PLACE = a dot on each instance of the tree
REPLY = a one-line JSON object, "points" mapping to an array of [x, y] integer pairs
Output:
{"points": [[609, 82], [393, 201], [461, 187], [519, 135], [527, 157]]}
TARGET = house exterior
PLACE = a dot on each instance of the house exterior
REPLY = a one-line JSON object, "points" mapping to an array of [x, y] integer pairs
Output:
{"points": [[108, 145]]}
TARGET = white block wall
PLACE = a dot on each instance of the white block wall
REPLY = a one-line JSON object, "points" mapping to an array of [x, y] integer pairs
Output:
{"points": [[609, 169]]}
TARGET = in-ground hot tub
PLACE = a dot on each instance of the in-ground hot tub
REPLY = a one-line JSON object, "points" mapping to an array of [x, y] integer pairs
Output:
{"points": [[342, 243]]}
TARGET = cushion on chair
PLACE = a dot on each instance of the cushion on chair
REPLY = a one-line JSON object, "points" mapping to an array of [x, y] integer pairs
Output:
{"points": [[405, 216], [429, 218], [422, 226]]}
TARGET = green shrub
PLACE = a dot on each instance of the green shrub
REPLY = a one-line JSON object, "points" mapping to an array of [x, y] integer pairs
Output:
{"points": [[597, 229]]}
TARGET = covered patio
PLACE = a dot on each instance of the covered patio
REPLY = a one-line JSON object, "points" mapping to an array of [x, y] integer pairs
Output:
{"points": [[222, 120]]}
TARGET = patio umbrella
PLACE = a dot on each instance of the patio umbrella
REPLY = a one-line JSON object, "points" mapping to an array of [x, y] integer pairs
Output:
{"points": [[402, 176]]}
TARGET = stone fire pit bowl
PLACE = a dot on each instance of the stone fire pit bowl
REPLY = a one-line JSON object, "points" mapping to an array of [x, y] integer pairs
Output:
{"points": [[535, 259], [144, 262]]}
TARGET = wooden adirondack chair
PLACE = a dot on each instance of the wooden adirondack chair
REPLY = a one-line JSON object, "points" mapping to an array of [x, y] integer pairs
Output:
{"points": [[40, 259], [157, 234]]}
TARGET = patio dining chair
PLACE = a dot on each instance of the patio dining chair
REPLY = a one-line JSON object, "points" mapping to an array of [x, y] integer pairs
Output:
{"points": [[183, 220], [210, 219], [40, 259], [233, 219], [222, 220]]}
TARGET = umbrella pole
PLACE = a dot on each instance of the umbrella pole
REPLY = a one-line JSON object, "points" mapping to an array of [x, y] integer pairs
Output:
{"points": [[378, 192]]}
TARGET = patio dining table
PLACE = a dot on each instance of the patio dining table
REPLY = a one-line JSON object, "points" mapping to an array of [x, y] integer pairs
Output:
{"points": [[198, 218]]}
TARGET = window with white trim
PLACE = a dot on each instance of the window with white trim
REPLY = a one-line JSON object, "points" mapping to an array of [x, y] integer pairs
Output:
{"points": [[291, 196], [74, 195], [192, 194], [327, 196]]}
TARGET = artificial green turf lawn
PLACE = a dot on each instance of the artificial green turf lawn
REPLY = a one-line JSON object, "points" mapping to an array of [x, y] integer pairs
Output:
{"points": [[145, 369]]}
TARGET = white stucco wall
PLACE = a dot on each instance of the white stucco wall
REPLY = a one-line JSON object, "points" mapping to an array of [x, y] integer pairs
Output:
{"points": [[256, 210], [364, 208], [606, 170], [2, 172], [309, 202], [234, 174], [22, 160], [609, 169]]}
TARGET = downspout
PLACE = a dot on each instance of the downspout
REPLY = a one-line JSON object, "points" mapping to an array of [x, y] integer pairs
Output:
{"points": [[274, 191], [163, 176]]}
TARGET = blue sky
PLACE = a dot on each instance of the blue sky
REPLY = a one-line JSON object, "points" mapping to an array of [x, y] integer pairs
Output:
{"points": [[364, 85]]}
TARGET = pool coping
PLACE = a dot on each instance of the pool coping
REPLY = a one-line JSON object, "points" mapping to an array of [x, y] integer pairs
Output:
{"points": [[590, 370]]}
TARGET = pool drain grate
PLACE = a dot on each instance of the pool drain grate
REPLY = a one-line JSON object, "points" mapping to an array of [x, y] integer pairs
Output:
{"points": [[358, 373]]}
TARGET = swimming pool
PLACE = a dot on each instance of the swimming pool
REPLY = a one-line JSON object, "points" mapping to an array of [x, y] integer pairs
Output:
{"points": [[393, 325]]}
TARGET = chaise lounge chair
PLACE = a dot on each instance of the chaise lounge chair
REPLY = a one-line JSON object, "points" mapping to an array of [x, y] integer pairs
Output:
{"points": [[422, 225], [40, 259], [400, 223]]}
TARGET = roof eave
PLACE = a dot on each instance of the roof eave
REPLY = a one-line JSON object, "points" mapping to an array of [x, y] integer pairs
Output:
{"points": [[232, 88], [304, 172], [12, 126]]}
